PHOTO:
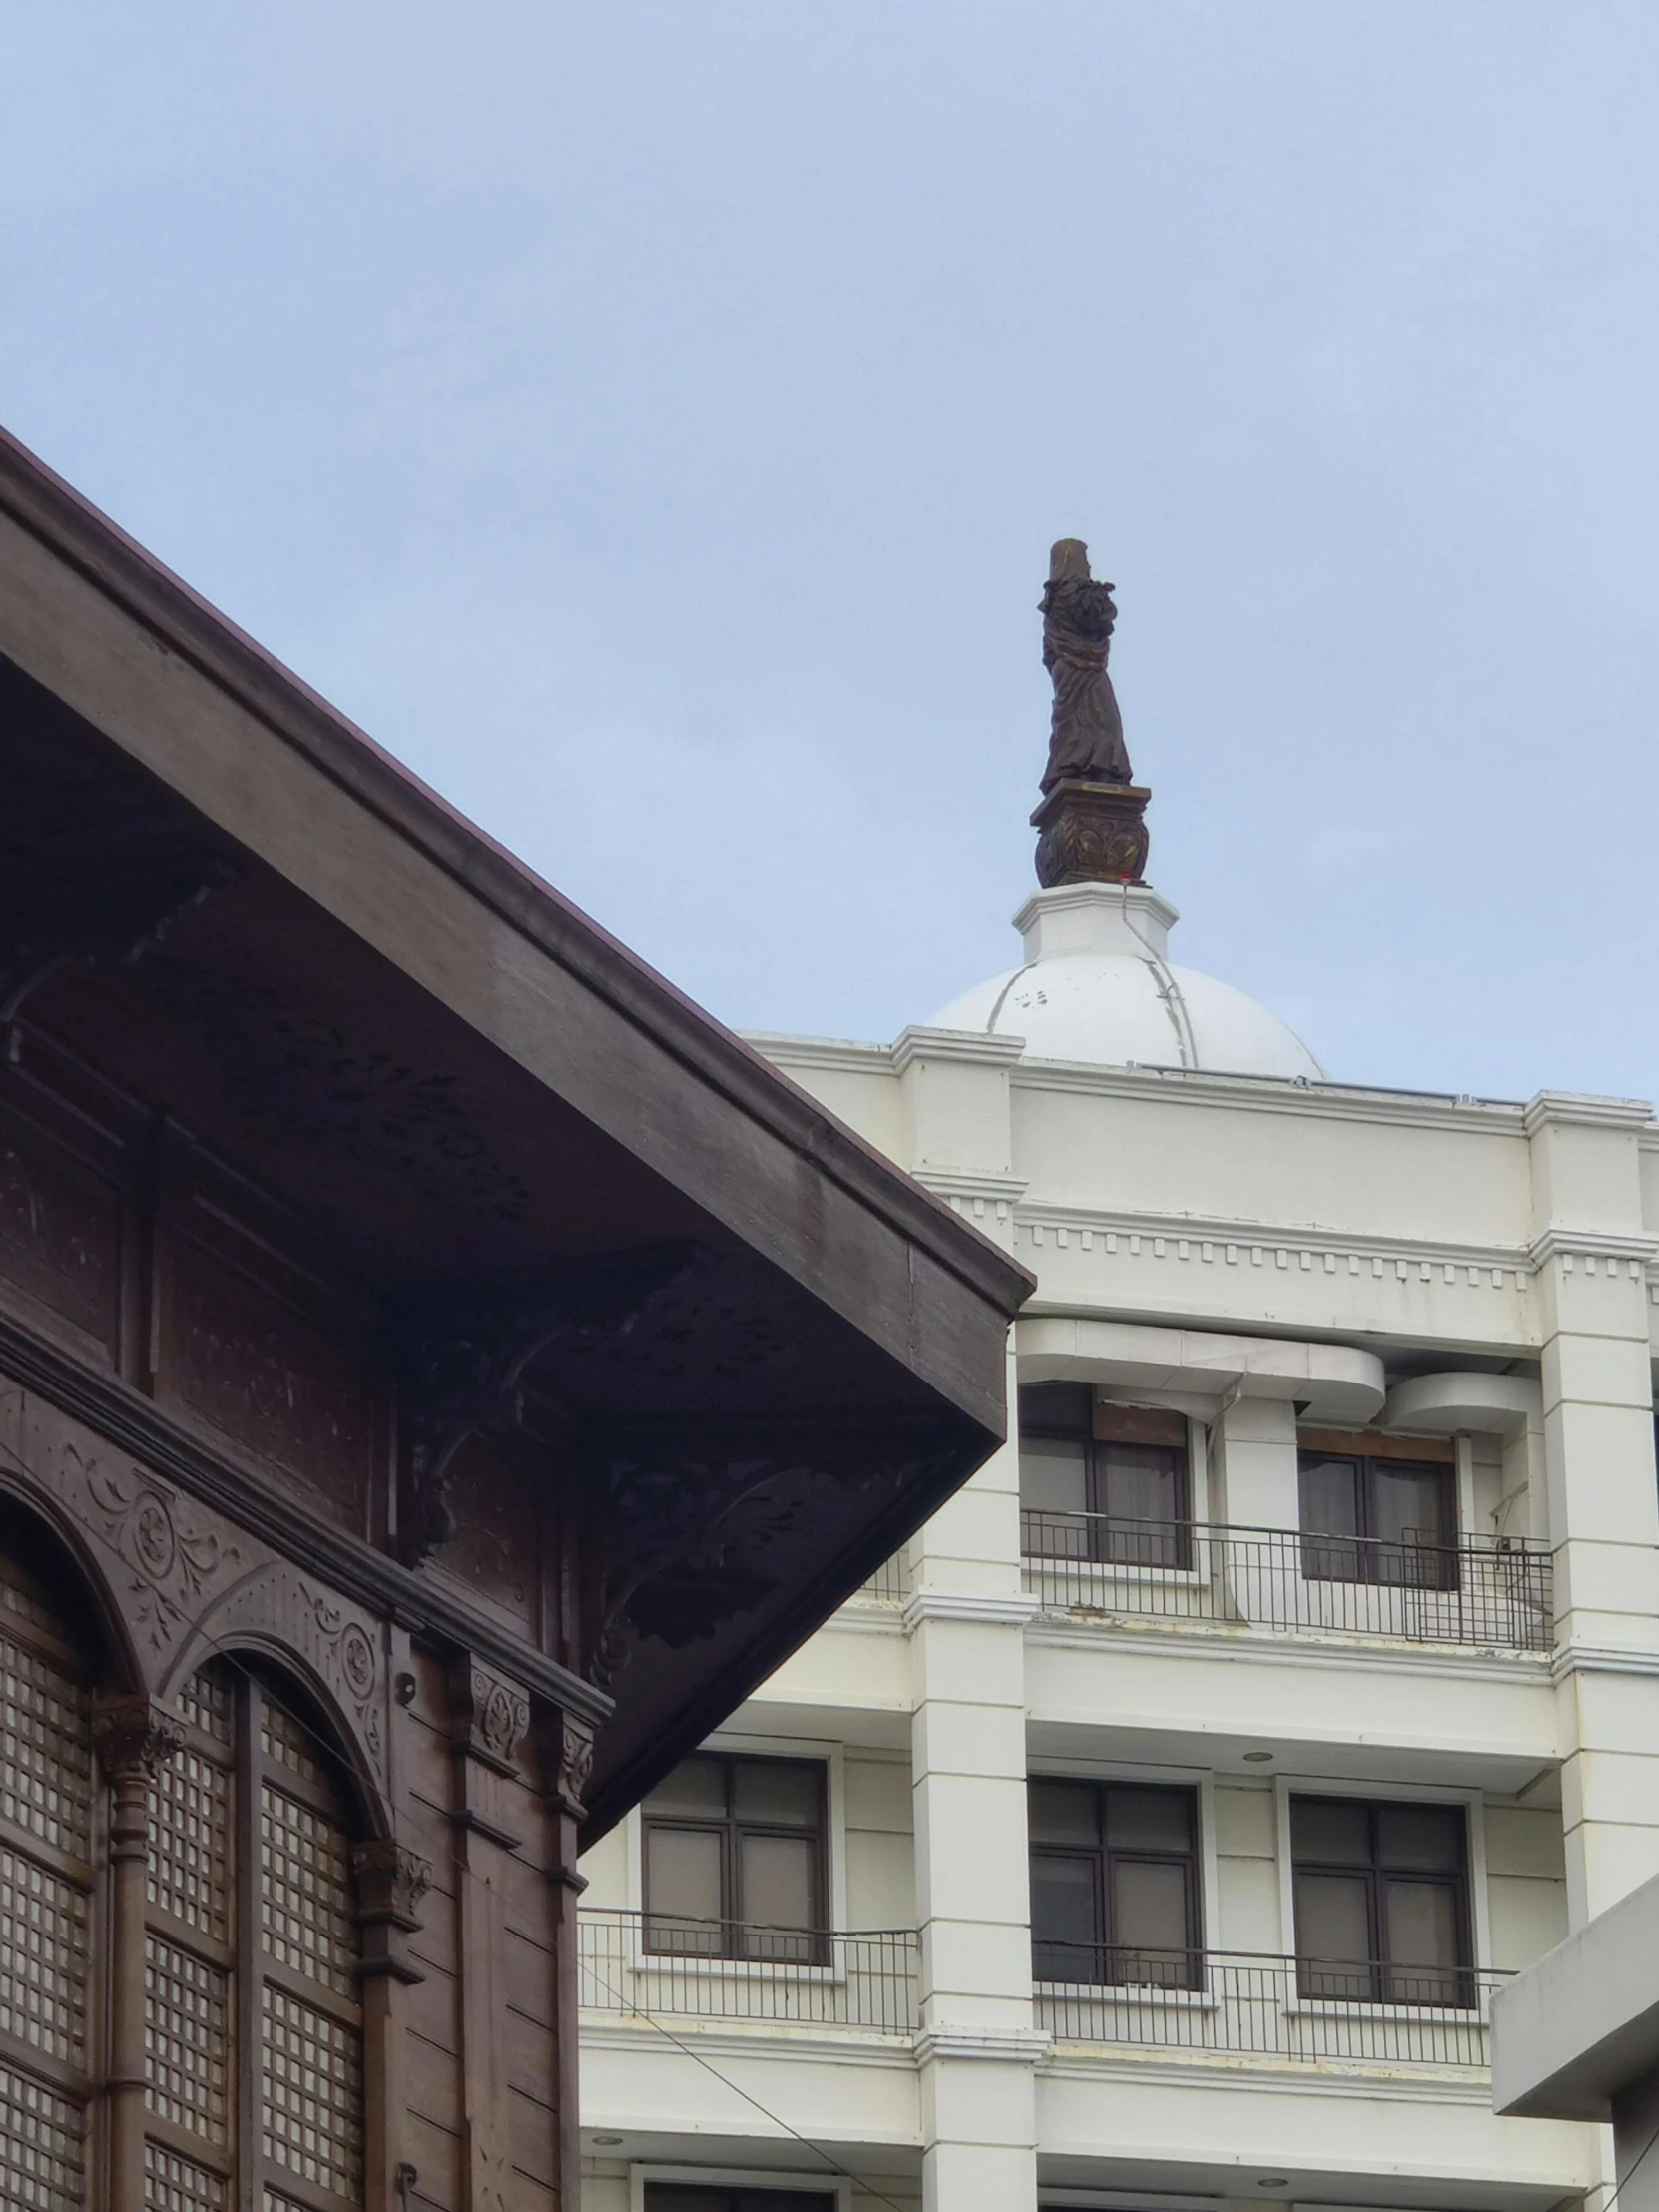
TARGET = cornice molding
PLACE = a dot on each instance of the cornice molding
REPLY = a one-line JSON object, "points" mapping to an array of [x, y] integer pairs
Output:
{"points": [[1383, 2084], [1635, 1251], [973, 1046], [355, 1569], [1022, 2047], [1213, 1241], [1586, 1112], [1580, 1658], [1371, 1656], [846, 1053], [990, 1608], [1266, 1095]]}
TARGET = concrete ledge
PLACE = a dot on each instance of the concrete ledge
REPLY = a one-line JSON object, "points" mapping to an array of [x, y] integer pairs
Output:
{"points": [[1577, 2027], [1336, 1382]]}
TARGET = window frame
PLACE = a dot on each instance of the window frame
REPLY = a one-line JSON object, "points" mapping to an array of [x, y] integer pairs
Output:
{"points": [[1100, 1526], [1476, 1928], [1197, 1867], [244, 1957], [643, 2175], [1433, 1563], [817, 1951]]}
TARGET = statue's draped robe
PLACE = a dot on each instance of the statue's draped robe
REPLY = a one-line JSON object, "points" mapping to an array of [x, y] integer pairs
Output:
{"points": [[1087, 741]]}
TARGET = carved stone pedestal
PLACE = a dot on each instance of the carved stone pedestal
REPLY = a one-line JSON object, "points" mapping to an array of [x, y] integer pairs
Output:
{"points": [[1091, 834]]}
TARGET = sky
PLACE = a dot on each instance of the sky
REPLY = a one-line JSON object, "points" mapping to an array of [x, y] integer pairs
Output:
{"points": [[650, 421]]}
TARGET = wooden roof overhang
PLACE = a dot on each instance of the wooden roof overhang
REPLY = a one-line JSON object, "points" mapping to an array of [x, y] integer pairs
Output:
{"points": [[748, 1353]]}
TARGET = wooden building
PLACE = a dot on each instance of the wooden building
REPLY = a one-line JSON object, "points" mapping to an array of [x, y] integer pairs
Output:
{"points": [[442, 1372]]}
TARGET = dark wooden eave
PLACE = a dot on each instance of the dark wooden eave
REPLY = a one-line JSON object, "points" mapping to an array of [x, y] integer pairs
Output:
{"points": [[760, 1353]]}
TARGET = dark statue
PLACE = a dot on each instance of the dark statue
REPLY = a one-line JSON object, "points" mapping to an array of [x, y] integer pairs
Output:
{"points": [[1092, 817], [1078, 614]]}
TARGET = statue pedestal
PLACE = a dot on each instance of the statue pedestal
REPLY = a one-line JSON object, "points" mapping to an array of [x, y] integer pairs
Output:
{"points": [[1091, 834]]}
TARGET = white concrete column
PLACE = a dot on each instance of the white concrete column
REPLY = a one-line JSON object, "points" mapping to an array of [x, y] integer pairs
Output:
{"points": [[1253, 1469], [978, 2048], [1590, 1251]]}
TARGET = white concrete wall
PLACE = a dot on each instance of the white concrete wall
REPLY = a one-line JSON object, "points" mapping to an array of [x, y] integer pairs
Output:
{"points": [[1431, 1236]]}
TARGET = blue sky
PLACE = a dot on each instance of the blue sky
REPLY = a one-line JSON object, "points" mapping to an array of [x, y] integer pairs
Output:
{"points": [[650, 421]]}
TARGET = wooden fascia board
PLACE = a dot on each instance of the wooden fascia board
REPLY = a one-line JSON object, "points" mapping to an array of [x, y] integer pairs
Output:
{"points": [[128, 646]]}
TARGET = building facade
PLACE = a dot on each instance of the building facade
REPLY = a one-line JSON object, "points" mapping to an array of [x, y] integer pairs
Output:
{"points": [[1155, 1829], [442, 1374]]}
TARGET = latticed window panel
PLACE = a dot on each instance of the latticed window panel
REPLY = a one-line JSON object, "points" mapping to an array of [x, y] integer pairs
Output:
{"points": [[312, 2093], [306, 1904], [207, 1701], [23, 1600], [43, 1959], [175, 2184], [283, 1739], [46, 1773], [189, 1843], [187, 2031], [275, 2201], [42, 2161]]}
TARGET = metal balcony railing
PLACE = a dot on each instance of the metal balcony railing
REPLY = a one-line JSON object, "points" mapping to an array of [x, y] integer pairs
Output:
{"points": [[670, 1965], [1297, 2011], [1488, 1591], [890, 1583]]}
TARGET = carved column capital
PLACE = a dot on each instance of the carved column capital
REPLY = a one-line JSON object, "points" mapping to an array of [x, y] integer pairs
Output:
{"points": [[575, 1764], [390, 1885], [490, 1716], [133, 1735], [392, 1881]]}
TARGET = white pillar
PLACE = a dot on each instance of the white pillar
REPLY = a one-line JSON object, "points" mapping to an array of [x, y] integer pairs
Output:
{"points": [[1590, 1251], [978, 2048]]}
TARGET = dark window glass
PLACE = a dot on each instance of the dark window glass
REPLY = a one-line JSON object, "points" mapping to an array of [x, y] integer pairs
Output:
{"points": [[735, 1861], [1114, 1884], [1107, 1483], [1393, 1522], [1382, 1901], [672, 2196]]}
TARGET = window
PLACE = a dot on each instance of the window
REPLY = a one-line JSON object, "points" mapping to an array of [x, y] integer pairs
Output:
{"points": [[1114, 1883], [1382, 1901], [1102, 1481], [1381, 1519], [46, 1851], [735, 1861], [251, 1946]]}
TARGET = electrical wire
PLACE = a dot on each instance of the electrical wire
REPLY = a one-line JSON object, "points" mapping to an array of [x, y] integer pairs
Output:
{"points": [[638, 2012], [336, 1758]]}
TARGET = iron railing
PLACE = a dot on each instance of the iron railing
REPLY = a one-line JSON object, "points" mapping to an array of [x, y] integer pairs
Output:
{"points": [[1488, 1591], [890, 1583], [1297, 2011], [655, 1964]]}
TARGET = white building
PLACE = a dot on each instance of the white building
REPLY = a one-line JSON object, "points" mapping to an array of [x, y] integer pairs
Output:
{"points": [[1171, 1811]]}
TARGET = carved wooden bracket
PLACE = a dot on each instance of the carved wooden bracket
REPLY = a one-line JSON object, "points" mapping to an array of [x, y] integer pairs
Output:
{"points": [[106, 918], [390, 1885], [682, 1524], [490, 1717], [467, 1356], [574, 1766]]}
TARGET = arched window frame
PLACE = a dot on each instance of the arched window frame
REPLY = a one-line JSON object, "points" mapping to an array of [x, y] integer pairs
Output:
{"points": [[254, 1947]]}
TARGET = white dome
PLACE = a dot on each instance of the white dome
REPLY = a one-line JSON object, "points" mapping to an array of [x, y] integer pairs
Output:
{"points": [[1097, 986]]}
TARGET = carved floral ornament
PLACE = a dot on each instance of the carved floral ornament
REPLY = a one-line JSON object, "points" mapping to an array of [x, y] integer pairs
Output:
{"points": [[133, 1735], [492, 1716], [692, 1532], [391, 1881]]}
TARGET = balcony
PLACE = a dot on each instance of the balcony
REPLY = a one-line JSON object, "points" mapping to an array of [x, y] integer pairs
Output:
{"points": [[1480, 1592], [1283, 2010], [648, 1967]]}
